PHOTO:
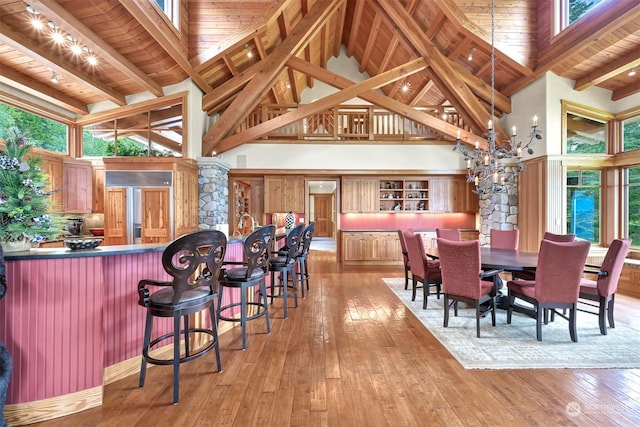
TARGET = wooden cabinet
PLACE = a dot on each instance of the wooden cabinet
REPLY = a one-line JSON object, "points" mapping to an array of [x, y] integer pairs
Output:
{"points": [[78, 186], [52, 166], [371, 247], [411, 194], [156, 215], [98, 189], [186, 199], [283, 194], [115, 218], [359, 195]]}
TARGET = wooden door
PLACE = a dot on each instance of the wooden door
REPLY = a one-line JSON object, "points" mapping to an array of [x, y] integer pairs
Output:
{"points": [[115, 216], [322, 214], [156, 211]]}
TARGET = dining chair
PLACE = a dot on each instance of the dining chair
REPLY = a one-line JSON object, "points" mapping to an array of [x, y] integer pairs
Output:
{"points": [[528, 277], [193, 261], [464, 281], [424, 270], [504, 239], [448, 233], [559, 237], [603, 289], [284, 264], [557, 283], [247, 276], [405, 254]]}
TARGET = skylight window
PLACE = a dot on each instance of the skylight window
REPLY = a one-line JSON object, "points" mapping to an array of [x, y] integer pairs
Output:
{"points": [[170, 8], [569, 11]]}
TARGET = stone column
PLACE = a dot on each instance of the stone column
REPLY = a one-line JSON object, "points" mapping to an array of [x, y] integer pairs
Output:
{"points": [[213, 189], [498, 211]]}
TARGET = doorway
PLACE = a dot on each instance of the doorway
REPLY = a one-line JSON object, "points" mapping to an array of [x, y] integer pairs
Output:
{"points": [[322, 204]]}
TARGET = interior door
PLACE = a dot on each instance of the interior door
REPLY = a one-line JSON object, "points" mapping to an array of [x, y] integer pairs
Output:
{"points": [[322, 213]]}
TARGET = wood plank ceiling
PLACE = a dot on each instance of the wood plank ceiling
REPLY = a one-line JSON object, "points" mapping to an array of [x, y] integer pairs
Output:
{"points": [[242, 54]]}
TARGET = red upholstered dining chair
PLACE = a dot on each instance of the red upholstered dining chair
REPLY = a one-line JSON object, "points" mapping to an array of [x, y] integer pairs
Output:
{"points": [[462, 279], [559, 237], [603, 289], [558, 276], [504, 239], [529, 276], [449, 234], [405, 255], [423, 270]]}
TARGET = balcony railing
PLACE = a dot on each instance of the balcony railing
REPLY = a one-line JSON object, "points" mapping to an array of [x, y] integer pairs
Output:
{"points": [[350, 123]]}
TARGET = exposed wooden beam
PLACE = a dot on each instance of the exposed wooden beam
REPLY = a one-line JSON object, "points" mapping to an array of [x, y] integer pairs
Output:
{"points": [[388, 103], [45, 92], [355, 24], [371, 40], [612, 69], [337, 37], [623, 92], [461, 96], [49, 58], [269, 70], [483, 90], [321, 105], [219, 95], [72, 25], [147, 16]]}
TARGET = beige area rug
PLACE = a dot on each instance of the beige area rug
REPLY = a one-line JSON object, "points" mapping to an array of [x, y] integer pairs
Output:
{"points": [[514, 346]]}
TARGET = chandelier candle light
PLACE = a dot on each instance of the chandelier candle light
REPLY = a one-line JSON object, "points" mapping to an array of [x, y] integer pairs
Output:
{"points": [[490, 170]]}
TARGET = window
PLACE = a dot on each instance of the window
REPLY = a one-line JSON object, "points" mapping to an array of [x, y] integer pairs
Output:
{"points": [[583, 204], [569, 11], [170, 8], [632, 203], [631, 134], [585, 129], [45, 133]]}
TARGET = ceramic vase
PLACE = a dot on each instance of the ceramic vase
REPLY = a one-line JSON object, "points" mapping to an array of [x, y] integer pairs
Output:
{"points": [[290, 221], [19, 246]]}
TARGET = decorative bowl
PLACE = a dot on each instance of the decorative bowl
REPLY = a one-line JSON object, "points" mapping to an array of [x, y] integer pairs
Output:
{"points": [[77, 244], [97, 231]]}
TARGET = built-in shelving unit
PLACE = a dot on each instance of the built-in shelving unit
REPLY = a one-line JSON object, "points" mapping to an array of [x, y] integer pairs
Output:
{"points": [[404, 195]]}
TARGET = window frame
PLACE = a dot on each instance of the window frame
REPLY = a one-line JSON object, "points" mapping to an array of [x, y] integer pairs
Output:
{"points": [[579, 185], [591, 114]]}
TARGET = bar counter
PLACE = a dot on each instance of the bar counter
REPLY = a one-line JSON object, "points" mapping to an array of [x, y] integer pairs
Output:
{"points": [[72, 323]]}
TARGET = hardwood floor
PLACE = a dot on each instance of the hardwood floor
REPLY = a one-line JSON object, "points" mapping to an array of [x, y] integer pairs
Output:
{"points": [[352, 355]]}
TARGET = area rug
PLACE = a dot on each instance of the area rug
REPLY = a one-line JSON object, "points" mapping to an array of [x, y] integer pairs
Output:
{"points": [[514, 346]]}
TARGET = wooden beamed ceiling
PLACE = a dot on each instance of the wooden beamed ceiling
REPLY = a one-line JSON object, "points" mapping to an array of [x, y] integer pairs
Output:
{"points": [[241, 55]]}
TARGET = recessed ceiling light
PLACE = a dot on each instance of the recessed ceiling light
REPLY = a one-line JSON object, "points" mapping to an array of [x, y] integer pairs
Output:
{"points": [[632, 73]]}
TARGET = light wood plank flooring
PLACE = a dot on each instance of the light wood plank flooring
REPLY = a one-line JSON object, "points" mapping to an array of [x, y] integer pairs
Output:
{"points": [[352, 355]]}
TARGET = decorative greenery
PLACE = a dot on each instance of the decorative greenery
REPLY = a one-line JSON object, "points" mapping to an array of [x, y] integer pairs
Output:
{"points": [[24, 205]]}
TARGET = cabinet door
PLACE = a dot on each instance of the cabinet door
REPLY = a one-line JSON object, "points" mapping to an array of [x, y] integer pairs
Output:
{"points": [[98, 189], [440, 195], [77, 181], [459, 195], [293, 195], [156, 212], [352, 246], [52, 167], [389, 247], [350, 195], [115, 216], [186, 201], [369, 195], [273, 195]]}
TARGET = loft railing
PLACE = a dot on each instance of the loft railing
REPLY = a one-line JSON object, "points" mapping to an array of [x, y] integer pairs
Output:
{"points": [[350, 122]]}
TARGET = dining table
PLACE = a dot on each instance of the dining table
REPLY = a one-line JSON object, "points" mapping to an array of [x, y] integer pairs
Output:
{"points": [[507, 260]]}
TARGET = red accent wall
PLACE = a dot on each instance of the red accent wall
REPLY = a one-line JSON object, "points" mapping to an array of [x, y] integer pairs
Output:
{"points": [[417, 221]]}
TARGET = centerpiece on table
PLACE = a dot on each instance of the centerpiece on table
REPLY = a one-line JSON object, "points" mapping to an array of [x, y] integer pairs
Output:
{"points": [[24, 204]]}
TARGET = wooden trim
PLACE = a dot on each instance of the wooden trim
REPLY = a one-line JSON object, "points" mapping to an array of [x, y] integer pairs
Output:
{"points": [[55, 407], [133, 108]]}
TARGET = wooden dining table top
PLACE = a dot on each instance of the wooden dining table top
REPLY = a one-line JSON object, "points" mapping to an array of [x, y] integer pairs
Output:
{"points": [[502, 259]]}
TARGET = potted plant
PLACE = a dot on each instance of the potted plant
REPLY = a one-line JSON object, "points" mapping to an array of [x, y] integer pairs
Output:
{"points": [[24, 205]]}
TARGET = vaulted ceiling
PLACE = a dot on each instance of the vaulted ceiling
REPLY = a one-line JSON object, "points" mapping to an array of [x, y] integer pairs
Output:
{"points": [[441, 48]]}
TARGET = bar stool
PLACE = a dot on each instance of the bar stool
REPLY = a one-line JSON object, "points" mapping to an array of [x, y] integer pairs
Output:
{"points": [[301, 259], [193, 261], [284, 263], [250, 274]]}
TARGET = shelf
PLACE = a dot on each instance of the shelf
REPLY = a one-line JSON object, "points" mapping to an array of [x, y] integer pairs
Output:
{"points": [[407, 195]]}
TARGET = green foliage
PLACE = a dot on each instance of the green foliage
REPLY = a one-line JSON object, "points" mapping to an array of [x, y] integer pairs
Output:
{"points": [[44, 133], [24, 205], [93, 146], [577, 8]]}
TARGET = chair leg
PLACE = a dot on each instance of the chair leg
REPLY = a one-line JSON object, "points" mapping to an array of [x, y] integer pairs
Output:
{"points": [[539, 313], [295, 283], [263, 292], [243, 316], [214, 331], [301, 275], [493, 311], [406, 278], [145, 349], [572, 323], [510, 301], [446, 311], [478, 318], [187, 346], [610, 311], [176, 357], [283, 281], [425, 295], [414, 284], [306, 272]]}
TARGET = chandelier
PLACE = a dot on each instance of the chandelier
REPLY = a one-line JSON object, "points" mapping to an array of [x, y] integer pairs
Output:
{"points": [[492, 170]]}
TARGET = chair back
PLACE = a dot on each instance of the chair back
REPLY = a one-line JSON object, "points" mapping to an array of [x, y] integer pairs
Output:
{"points": [[460, 267], [403, 244], [194, 261], [612, 264], [292, 243], [416, 254], [257, 250], [559, 237], [307, 235], [505, 239], [448, 233], [559, 270]]}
